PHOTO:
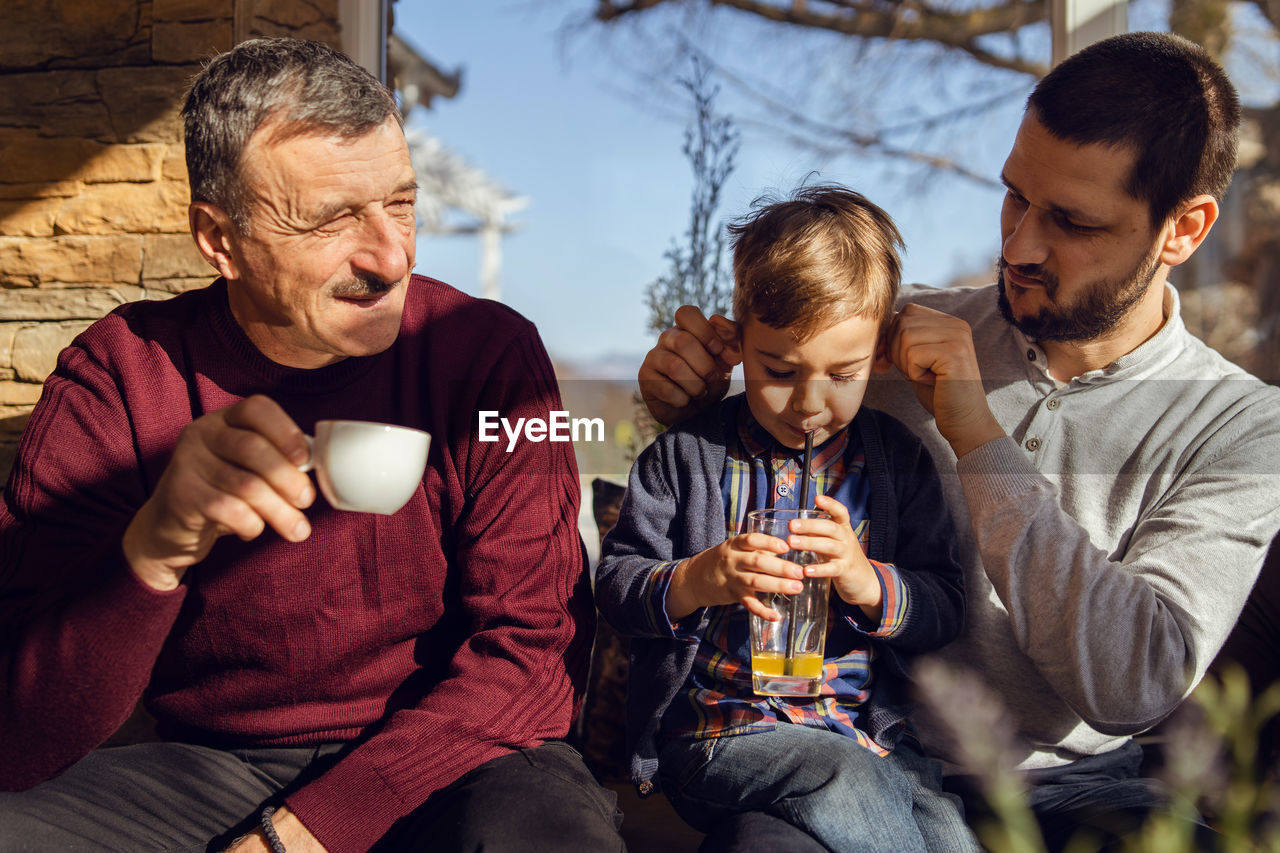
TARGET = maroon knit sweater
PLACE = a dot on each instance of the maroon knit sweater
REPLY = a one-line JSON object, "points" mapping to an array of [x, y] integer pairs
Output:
{"points": [[437, 638]]}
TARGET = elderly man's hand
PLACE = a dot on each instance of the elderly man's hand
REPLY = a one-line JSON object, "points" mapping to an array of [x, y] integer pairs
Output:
{"points": [[233, 471], [293, 835], [689, 367]]}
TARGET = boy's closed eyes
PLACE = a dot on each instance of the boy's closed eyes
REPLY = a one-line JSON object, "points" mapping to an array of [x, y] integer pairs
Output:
{"points": [[811, 385]]}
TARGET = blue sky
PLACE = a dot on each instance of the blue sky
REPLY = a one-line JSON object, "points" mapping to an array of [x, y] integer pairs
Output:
{"points": [[607, 182]]}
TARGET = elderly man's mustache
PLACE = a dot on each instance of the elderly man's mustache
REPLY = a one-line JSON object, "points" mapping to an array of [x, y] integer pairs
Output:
{"points": [[363, 285]]}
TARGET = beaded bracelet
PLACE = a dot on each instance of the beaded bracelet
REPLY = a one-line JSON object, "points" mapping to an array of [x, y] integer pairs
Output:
{"points": [[269, 830]]}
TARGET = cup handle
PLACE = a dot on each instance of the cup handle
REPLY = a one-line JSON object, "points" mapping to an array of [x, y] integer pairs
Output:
{"points": [[311, 455]]}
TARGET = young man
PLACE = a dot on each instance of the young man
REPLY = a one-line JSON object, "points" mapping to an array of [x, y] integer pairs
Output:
{"points": [[1113, 480], [322, 680], [815, 277]]}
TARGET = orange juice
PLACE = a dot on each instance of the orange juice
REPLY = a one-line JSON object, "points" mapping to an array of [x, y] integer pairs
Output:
{"points": [[774, 663], [769, 676]]}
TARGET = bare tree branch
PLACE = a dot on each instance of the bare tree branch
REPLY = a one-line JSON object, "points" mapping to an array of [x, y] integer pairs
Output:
{"points": [[1270, 10], [804, 130], [897, 21]]}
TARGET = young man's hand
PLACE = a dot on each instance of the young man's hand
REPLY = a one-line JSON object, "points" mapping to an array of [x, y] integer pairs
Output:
{"points": [[935, 351], [852, 576], [732, 573]]}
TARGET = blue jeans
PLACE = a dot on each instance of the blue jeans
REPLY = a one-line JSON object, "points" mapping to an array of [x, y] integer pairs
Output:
{"points": [[180, 798], [844, 795]]}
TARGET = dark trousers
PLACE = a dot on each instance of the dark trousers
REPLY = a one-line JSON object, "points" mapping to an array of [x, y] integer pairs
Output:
{"points": [[758, 832], [1098, 799], [178, 797]]}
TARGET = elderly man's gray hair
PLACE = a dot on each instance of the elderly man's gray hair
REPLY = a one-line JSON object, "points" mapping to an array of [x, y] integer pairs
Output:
{"points": [[299, 86]]}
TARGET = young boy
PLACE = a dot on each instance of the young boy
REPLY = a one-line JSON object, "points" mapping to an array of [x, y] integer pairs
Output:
{"points": [[815, 281]]}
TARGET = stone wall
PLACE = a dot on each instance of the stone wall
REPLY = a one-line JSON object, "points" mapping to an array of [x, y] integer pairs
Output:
{"points": [[93, 192]]}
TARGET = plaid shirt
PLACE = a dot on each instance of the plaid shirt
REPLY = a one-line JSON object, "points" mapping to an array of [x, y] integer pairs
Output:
{"points": [[717, 699]]}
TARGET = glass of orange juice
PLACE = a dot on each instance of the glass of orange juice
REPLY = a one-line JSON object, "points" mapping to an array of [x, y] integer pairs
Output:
{"points": [[786, 656]]}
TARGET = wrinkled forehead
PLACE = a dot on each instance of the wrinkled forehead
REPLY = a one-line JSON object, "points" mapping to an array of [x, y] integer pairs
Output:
{"points": [[311, 172]]}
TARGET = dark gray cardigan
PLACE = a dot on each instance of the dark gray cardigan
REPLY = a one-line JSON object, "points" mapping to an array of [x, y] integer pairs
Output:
{"points": [[673, 509]]}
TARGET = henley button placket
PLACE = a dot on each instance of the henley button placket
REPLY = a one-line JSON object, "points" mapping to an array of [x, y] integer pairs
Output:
{"points": [[1032, 444]]}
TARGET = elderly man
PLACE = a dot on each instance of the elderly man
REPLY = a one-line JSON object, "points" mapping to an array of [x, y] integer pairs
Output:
{"points": [[322, 680], [1113, 479]]}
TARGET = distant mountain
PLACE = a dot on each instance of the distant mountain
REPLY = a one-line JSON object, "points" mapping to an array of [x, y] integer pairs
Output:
{"points": [[609, 366]]}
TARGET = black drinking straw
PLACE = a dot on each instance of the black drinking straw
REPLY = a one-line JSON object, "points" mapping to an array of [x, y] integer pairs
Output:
{"points": [[788, 667], [804, 473]]}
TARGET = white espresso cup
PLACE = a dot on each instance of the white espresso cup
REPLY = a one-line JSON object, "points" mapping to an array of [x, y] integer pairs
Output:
{"points": [[367, 467]]}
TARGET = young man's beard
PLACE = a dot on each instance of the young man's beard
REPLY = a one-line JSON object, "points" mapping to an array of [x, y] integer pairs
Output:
{"points": [[1098, 310]]}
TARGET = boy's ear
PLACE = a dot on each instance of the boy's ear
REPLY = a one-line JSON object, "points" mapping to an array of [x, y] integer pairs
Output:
{"points": [[729, 332]]}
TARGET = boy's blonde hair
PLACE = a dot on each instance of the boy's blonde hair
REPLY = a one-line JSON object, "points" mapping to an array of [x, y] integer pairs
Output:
{"points": [[815, 259]]}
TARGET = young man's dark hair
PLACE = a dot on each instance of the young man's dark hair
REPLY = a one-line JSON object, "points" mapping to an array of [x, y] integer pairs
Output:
{"points": [[1158, 94]]}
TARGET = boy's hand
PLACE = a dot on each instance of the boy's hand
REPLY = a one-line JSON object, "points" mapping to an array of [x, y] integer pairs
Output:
{"points": [[732, 573], [833, 539]]}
